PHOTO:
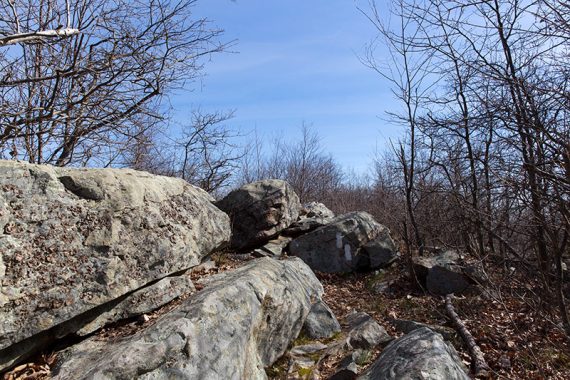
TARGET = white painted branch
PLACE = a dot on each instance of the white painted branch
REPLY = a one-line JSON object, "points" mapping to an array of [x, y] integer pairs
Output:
{"points": [[35, 36]]}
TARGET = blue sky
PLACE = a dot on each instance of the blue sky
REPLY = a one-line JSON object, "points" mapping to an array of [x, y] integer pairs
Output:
{"points": [[296, 61]]}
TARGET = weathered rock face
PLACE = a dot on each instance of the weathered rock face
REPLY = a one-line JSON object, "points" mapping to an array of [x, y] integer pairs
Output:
{"points": [[353, 241], [365, 332], [316, 210], [442, 274], [74, 240], [312, 216], [407, 326], [240, 323], [142, 301], [273, 248], [421, 354], [321, 322], [259, 211]]}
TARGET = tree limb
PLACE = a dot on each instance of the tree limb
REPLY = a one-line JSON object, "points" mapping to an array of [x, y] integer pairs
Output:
{"points": [[37, 36], [480, 366]]}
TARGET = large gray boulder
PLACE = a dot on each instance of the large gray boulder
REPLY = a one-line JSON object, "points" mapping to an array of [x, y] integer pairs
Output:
{"points": [[239, 324], [350, 242], [74, 242], [419, 355], [259, 211], [446, 273]]}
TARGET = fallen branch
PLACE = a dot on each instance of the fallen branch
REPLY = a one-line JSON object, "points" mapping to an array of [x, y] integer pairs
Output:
{"points": [[37, 36], [480, 366]]}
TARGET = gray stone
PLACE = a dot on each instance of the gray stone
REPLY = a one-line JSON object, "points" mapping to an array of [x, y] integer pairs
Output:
{"points": [[307, 349], [259, 211], [273, 248], [365, 332], [142, 301], [348, 368], [421, 354], [340, 246], [381, 251], [346, 372], [73, 241], [312, 216], [321, 322], [442, 274], [239, 324], [304, 225], [316, 210], [407, 326]]}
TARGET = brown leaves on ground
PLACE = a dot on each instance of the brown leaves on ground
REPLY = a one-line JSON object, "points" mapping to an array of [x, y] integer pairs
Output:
{"points": [[518, 337]]}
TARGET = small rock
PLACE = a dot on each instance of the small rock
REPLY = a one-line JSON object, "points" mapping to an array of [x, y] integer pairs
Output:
{"points": [[442, 274], [307, 349], [316, 210], [504, 362], [365, 332], [321, 322], [273, 248]]}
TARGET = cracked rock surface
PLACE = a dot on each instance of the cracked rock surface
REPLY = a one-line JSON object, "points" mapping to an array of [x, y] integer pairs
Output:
{"points": [[239, 324], [350, 242], [73, 242], [259, 211], [421, 354]]}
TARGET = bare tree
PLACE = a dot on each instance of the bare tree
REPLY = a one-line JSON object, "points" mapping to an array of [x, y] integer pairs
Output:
{"points": [[313, 174], [81, 79], [493, 126]]}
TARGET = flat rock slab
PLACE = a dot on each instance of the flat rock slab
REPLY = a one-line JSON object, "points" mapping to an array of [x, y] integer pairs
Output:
{"points": [[73, 240], [239, 324], [273, 248], [421, 354]]}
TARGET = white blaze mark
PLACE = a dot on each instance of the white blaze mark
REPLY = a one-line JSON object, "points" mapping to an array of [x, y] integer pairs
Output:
{"points": [[338, 240], [347, 254]]}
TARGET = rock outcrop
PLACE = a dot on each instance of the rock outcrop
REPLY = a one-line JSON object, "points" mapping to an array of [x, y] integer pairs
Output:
{"points": [[350, 242], [74, 243], [238, 325], [259, 211], [444, 273], [421, 354]]}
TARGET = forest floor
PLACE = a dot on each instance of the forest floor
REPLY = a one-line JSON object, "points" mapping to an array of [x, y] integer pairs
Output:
{"points": [[516, 335], [518, 338]]}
